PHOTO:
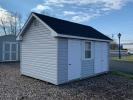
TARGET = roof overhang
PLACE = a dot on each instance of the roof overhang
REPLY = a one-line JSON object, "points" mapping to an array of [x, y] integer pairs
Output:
{"points": [[82, 38]]}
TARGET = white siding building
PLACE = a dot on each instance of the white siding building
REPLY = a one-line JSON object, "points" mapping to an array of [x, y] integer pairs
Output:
{"points": [[129, 47], [59, 51], [9, 48]]}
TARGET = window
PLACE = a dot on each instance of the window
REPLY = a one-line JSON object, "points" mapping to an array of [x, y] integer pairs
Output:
{"points": [[87, 50]]}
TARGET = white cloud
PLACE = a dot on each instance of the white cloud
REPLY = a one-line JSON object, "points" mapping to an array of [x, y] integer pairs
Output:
{"points": [[81, 10], [83, 17], [5, 16], [80, 19], [39, 8], [69, 13], [112, 4]]}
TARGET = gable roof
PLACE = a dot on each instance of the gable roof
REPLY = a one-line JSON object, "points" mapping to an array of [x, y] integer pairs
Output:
{"points": [[62, 28], [70, 28]]}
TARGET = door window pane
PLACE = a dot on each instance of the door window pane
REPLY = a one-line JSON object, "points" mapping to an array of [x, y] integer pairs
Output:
{"points": [[7, 56], [14, 47], [7, 47], [13, 56], [87, 46], [87, 54], [87, 50]]}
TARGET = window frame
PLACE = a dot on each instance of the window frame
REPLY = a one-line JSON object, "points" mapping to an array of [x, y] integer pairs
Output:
{"points": [[84, 49]]}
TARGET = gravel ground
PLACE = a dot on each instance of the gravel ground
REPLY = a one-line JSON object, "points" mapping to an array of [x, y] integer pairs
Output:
{"points": [[13, 86]]}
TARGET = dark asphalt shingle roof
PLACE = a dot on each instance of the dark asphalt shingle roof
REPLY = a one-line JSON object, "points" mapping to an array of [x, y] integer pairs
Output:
{"points": [[70, 28]]}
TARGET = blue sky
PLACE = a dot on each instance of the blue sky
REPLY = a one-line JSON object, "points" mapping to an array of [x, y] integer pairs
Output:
{"points": [[108, 16]]}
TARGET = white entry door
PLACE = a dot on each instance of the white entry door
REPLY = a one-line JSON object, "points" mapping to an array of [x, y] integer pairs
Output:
{"points": [[10, 51], [101, 57], [74, 59]]}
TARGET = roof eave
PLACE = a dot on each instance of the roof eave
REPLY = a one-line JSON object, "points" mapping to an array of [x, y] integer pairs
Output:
{"points": [[84, 38]]}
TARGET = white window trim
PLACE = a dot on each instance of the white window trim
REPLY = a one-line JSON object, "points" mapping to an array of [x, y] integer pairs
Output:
{"points": [[83, 51]]}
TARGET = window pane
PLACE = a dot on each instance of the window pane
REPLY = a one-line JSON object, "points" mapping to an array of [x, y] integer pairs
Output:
{"points": [[87, 49], [7, 47], [87, 54], [13, 56], [14, 47], [7, 56], [87, 45]]}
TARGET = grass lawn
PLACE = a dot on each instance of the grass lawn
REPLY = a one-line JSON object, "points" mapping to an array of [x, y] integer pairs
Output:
{"points": [[127, 75], [124, 58]]}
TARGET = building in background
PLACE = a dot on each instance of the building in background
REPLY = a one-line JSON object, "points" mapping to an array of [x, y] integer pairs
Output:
{"points": [[114, 49], [129, 47], [9, 48]]}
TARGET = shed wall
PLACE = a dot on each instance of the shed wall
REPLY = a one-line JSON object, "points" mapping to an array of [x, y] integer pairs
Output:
{"points": [[45, 57], [39, 53], [87, 66]]}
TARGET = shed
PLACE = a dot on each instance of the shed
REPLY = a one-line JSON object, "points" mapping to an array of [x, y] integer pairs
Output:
{"points": [[9, 48], [59, 51]]}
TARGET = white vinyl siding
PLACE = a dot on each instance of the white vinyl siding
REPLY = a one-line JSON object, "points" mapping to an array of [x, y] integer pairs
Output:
{"points": [[62, 60], [87, 68], [39, 53]]}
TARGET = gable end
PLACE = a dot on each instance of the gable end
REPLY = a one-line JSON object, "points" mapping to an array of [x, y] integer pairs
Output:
{"points": [[29, 21]]}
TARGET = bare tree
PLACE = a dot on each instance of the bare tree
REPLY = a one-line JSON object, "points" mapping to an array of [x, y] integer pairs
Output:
{"points": [[12, 24], [19, 22], [15, 23], [3, 26]]}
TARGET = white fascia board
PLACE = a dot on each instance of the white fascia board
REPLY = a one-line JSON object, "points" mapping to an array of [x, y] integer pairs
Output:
{"points": [[19, 38], [23, 28], [84, 38]]}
